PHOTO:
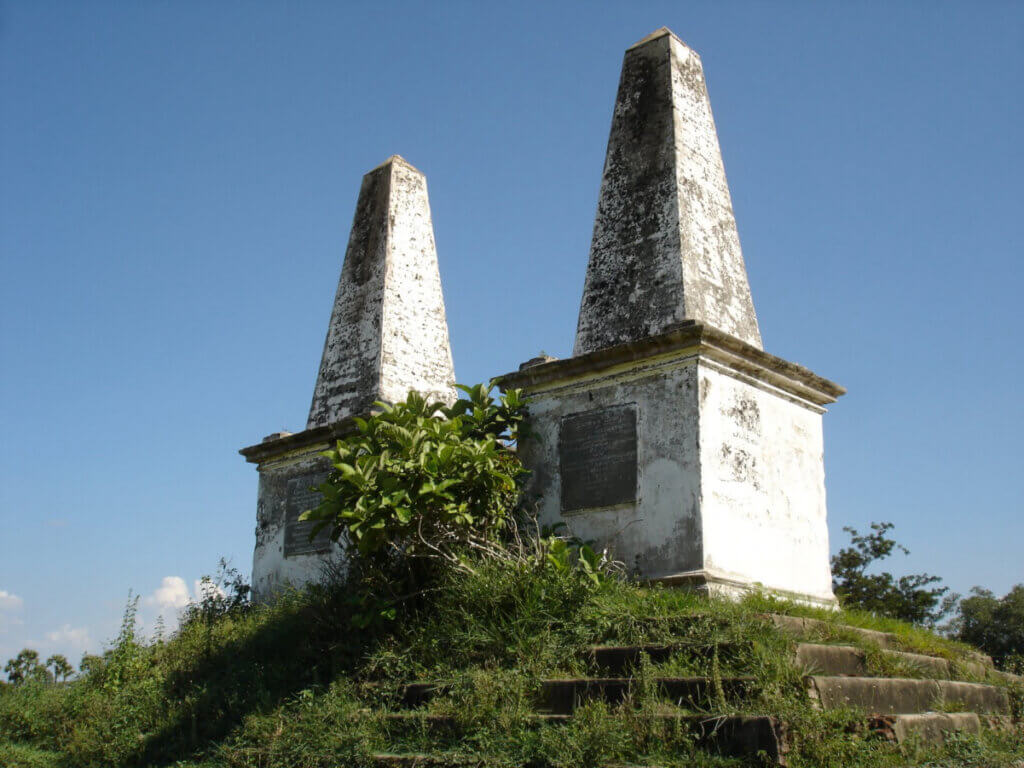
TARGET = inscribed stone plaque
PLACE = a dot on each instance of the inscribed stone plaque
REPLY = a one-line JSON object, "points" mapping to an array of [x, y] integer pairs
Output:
{"points": [[301, 497], [597, 458]]}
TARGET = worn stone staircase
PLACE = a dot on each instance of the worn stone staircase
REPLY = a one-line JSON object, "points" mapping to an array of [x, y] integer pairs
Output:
{"points": [[935, 702], [936, 697]]}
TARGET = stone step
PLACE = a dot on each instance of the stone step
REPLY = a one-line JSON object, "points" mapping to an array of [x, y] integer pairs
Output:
{"points": [[416, 695], [934, 727], [563, 696], [621, 659], [726, 735], [1011, 678], [898, 696], [817, 658], [414, 760], [449, 760], [801, 627], [849, 660], [931, 728]]}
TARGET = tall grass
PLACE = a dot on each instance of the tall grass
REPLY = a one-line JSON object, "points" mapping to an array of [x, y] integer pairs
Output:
{"points": [[297, 684]]}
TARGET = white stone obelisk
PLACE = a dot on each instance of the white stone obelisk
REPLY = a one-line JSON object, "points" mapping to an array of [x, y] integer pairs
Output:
{"points": [[388, 333], [387, 336], [670, 436], [665, 247]]}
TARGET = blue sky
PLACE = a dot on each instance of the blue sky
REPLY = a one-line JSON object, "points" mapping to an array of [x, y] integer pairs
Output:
{"points": [[177, 182]]}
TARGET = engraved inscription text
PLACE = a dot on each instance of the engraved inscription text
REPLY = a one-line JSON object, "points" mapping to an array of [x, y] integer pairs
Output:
{"points": [[301, 497], [597, 458]]}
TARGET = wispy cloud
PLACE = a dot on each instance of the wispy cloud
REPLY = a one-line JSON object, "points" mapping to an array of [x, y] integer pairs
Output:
{"points": [[10, 602], [73, 638]]}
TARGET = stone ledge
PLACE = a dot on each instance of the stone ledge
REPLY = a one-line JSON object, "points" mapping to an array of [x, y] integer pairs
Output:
{"points": [[269, 449], [717, 585], [689, 335]]}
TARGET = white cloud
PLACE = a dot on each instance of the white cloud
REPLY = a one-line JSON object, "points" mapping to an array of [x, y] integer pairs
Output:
{"points": [[76, 638], [172, 593], [9, 602]]}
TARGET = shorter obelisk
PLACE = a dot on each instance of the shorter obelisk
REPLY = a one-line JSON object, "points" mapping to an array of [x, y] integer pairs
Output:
{"points": [[387, 336], [388, 333]]}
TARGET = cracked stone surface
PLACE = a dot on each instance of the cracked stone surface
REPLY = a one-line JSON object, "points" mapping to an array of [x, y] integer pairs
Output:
{"points": [[665, 246], [388, 333]]}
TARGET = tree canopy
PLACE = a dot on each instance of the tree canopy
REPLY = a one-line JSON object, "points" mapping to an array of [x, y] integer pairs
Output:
{"points": [[908, 597]]}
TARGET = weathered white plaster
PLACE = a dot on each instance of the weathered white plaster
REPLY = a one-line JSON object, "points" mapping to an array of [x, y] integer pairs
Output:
{"points": [[659, 534], [388, 333], [730, 474], [762, 487], [387, 336], [665, 247], [272, 571]]}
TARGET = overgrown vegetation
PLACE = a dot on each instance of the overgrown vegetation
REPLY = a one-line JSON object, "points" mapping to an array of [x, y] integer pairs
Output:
{"points": [[446, 585], [295, 684], [995, 625], [422, 481]]}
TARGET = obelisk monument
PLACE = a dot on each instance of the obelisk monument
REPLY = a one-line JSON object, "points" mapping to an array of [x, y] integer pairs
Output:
{"points": [[665, 247], [670, 436], [387, 336]]}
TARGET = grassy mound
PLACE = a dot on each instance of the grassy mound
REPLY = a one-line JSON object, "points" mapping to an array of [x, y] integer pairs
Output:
{"points": [[296, 684]]}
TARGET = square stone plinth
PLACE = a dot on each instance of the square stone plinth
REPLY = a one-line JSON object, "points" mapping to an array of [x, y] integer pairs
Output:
{"points": [[290, 466], [695, 457]]}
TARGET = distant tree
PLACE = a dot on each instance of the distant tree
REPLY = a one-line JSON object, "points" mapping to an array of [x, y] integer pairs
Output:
{"points": [[996, 625], [907, 598], [60, 666], [25, 666]]}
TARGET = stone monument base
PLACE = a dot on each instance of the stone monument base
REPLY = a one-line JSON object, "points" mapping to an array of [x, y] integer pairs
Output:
{"points": [[289, 466], [696, 458], [717, 585]]}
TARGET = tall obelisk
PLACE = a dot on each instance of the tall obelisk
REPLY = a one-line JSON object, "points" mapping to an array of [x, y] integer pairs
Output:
{"points": [[665, 247], [670, 436]]}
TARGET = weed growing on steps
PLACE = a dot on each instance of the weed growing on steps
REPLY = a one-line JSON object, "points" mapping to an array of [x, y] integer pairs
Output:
{"points": [[297, 684]]}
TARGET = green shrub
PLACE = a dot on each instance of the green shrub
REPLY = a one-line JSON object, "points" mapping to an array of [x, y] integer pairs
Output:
{"points": [[421, 480]]}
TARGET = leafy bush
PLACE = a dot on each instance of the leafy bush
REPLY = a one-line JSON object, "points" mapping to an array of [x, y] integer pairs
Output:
{"points": [[225, 593], [422, 480]]}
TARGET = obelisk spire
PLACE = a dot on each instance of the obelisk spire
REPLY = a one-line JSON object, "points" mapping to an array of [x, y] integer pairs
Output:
{"points": [[388, 333], [665, 247]]}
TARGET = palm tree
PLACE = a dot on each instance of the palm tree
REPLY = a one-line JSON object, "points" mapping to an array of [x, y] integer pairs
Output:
{"points": [[61, 668]]}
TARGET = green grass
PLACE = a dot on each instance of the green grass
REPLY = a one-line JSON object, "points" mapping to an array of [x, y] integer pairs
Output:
{"points": [[295, 684]]}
